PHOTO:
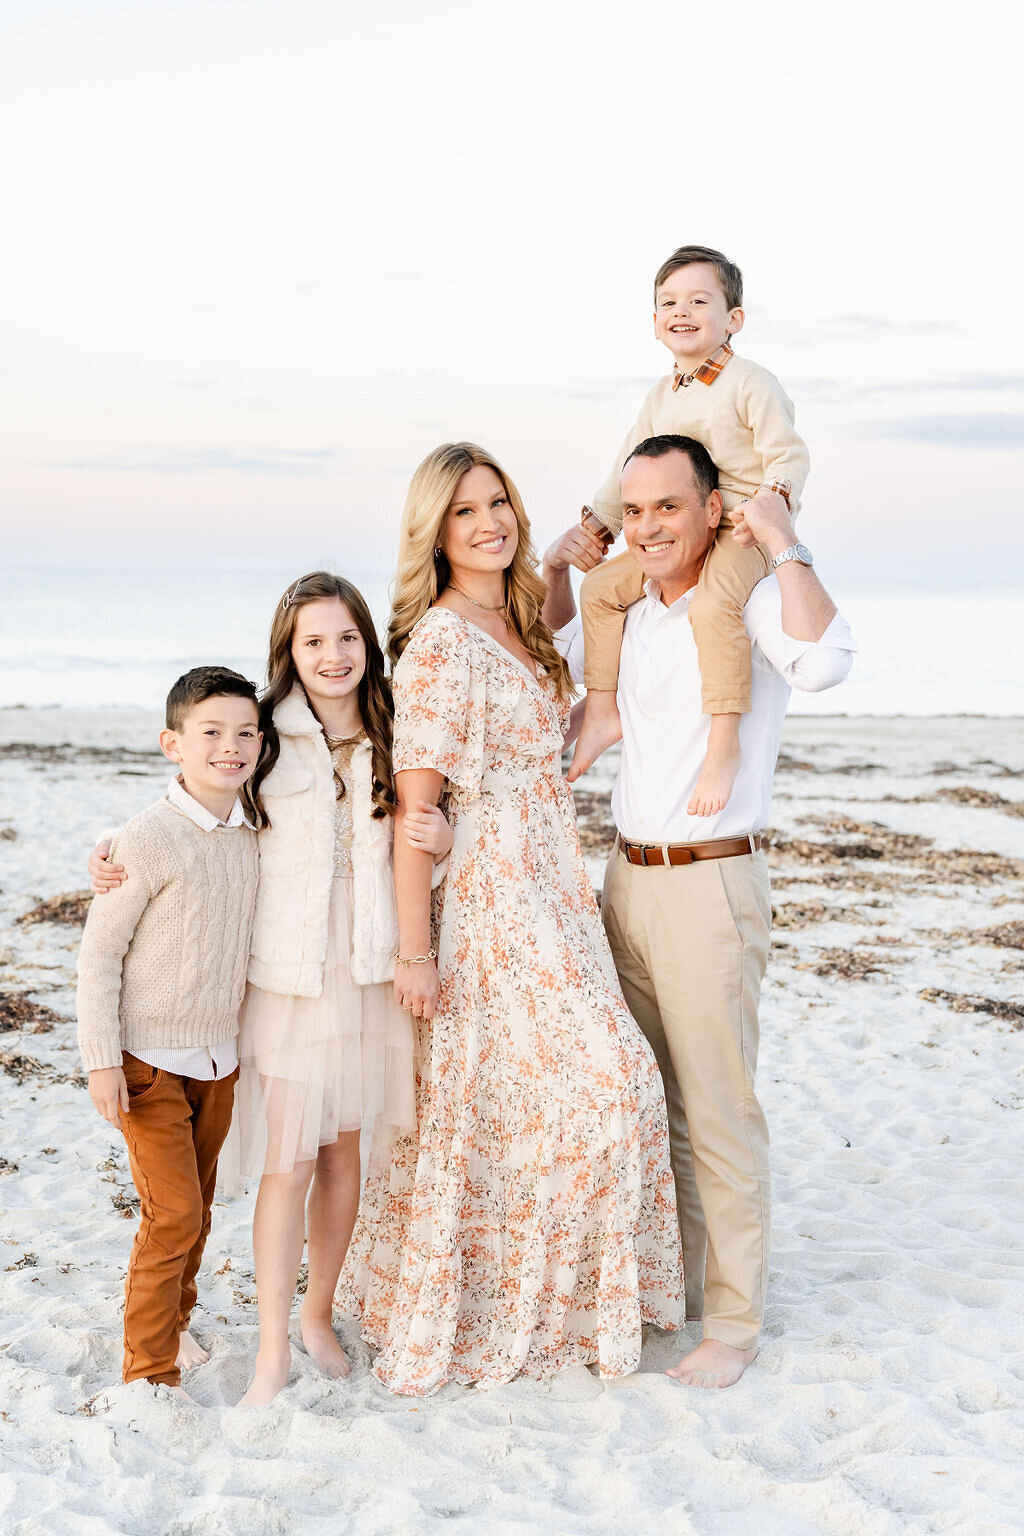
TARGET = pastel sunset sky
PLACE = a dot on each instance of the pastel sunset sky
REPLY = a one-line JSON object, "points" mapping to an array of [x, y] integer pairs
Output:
{"points": [[260, 257]]}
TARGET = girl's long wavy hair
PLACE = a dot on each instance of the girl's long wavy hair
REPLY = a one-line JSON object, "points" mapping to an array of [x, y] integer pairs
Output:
{"points": [[375, 705], [422, 574]]}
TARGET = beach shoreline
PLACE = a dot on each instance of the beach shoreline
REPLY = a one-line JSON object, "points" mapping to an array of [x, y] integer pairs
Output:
{"points": [[887, 1395]]}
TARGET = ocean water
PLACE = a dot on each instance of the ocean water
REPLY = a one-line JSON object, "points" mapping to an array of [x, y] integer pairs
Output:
{"points": [[90, 639]]}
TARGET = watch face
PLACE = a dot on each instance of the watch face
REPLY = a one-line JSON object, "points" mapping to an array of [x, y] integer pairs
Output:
{"points": [[804, 554]]}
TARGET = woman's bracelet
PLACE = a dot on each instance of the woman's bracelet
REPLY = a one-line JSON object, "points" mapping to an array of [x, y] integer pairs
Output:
{"points": [[431, 954]]}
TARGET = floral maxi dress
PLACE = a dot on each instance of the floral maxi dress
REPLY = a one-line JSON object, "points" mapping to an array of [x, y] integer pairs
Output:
{"points": [[530, 1224]]}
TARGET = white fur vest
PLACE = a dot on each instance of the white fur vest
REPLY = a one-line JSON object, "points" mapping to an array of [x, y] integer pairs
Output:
{"points": [[289, 942]]}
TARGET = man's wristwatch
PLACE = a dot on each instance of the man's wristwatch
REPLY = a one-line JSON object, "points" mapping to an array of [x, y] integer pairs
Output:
{"points": [[798, 552]]}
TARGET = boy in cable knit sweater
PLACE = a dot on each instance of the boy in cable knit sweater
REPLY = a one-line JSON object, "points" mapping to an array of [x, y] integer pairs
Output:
{"points": [[742, 416], [161, 974]]}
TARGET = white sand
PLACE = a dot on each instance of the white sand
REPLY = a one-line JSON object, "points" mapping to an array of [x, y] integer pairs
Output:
{"points": [[887, 1395]]}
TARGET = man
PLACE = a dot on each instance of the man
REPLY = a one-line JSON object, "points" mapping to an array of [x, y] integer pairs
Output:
{"points": [[686, 899]]}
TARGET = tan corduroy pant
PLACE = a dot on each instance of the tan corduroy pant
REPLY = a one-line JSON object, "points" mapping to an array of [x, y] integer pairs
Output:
{"points": [[729, 575], [690, 945]]}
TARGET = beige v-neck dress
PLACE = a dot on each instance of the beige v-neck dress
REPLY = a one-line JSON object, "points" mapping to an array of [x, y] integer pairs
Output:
{"points": [[531, 1222]]}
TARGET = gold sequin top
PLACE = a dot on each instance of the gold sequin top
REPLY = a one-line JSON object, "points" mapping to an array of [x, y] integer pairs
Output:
{"points": [[341, 749]]}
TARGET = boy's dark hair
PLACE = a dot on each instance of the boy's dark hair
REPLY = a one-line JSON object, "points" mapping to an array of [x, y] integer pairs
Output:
{"points": [[705, 471], [202, 683], [729, 274]]}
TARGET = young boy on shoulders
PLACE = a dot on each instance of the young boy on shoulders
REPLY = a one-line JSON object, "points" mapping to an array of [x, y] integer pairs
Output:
{"points": [[161, 974], [742, 416]]}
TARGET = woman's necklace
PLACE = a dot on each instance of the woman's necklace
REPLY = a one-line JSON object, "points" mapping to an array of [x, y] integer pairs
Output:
{"points": [[501, 608]]}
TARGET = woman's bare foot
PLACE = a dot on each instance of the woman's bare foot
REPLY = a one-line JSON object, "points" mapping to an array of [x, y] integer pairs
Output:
{"points": [[190, 1353], [601, 728], [713, 1364], [268, 1379], [322, 1347], [719, 769]]}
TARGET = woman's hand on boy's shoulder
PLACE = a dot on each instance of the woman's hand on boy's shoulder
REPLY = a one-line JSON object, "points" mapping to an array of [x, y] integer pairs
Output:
{"points": [[103, 875], [109, 1093]]}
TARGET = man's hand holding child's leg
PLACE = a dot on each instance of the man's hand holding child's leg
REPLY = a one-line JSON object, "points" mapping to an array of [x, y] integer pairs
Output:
{"points": [[109, 1092]]}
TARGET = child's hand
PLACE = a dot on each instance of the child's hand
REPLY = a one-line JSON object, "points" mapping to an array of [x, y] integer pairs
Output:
{"points": [[763, 519], [427, 829], [578, 546], [104, 877], [109, 1092]]}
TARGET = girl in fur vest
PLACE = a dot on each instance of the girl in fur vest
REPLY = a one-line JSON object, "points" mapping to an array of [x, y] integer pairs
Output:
{"points": [[324, 1048]]}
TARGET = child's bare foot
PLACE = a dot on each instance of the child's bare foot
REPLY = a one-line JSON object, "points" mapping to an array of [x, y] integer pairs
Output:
{"points": [[322, 1347], [178, 1392], [719, 768], [601, 727], [268, 1379], [190, 1353], [713, 1364]]}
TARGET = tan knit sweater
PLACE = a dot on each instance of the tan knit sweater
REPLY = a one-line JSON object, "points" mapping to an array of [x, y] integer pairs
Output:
{"points": [[163, 957], [744, 420]]}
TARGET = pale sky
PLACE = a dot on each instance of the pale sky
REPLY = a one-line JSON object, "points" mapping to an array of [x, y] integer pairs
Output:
{"points": [[260, 257]]}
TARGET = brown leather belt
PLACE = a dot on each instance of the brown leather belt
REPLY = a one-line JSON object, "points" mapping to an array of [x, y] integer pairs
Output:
{"points": [[647, 854]]}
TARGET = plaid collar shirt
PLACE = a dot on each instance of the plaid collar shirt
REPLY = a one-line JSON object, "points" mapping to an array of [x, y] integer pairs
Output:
{"points": [[708, 371]]}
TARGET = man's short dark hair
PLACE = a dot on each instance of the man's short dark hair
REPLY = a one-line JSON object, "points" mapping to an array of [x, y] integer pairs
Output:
{"points": [[203, 683], [705, 472], [729, 275]]}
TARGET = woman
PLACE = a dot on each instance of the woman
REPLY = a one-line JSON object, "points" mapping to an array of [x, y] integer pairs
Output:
{"points": [[530, 1224]]}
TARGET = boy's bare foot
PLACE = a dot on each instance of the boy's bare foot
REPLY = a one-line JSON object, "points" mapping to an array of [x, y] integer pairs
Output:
{"points": [[713, 1364], [190, 1353], [719, 769], [268, 1379], [178, 1392], [322, 1347], [601, 727]]}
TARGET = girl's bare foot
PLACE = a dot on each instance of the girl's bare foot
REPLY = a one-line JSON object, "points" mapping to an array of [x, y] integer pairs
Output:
{"points": [[713, 1364], [190, 1353], [601, 728], [268, 1379], [322, 1347]]}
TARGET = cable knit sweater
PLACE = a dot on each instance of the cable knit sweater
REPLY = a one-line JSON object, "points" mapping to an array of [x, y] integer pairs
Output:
{"points": [[744, 420], [163, 957]]}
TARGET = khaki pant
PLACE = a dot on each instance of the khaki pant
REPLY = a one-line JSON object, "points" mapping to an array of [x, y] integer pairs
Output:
{"points": [[174, 1131], [690, 945], [729, 575]]}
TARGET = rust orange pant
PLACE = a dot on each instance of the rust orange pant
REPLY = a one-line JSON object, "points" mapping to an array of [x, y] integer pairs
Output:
{"points": [[174, 1130]]}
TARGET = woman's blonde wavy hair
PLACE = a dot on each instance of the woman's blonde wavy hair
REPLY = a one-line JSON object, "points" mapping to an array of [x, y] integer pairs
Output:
{"points": [[422, 574]]}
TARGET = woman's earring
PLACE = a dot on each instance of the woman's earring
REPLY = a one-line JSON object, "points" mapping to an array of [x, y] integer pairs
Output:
{"points": [[438, 551]]}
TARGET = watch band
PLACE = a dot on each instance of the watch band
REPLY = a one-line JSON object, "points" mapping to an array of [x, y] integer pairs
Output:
{"points": [[797, 552]]}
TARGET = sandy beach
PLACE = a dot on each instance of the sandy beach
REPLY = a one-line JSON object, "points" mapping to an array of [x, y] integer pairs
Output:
{"points": [[887, 1397]]}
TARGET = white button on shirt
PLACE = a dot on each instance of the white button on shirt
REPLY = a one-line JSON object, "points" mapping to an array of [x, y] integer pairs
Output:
{"points": [[205, 1062], [665, 732]]}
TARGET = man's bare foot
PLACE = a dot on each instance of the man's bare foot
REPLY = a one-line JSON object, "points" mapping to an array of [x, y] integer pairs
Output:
{"points": [[601, 727], [719, 769], [190, 1353], [713, 1364], [268, 1379], [322, 1347]]}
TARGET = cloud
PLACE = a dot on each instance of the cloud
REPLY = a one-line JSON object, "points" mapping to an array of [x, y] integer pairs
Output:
{"points": [[995, 430], [606, 389], [201, 461], [878, 323]]}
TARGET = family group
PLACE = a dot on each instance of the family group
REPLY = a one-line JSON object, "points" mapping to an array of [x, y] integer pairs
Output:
{"points": [[361, 909]]}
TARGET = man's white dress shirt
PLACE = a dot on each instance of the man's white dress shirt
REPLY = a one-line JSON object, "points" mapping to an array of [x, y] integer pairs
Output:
{"points": [[665, 732]]}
